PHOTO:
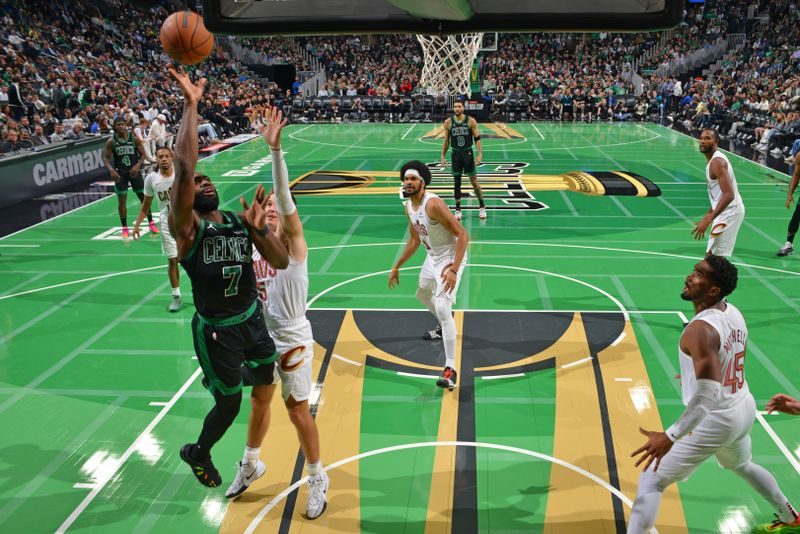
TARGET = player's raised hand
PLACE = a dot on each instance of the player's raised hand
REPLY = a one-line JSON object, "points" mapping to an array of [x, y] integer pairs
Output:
{"points": [[658, 444], [394, 278], [255, 214], [271, 129], [192, 91], [784, 403]]}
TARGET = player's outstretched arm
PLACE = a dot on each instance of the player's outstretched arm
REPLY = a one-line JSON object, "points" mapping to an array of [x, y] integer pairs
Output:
{"points": [[266, 242], [291, 226], [411, 247], [184, 222]]}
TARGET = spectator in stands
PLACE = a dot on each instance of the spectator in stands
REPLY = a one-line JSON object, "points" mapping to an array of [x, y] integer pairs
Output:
{"points": [[58, 133], [395, 107], [39, 138], [76, 132], [159, 135], [13, 143], [15, 100]]}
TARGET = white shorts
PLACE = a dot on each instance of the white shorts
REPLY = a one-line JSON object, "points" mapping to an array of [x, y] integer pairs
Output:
{"points": [[294, 343], [168, 245], [722, 237], [725, 434], [431, 276]]}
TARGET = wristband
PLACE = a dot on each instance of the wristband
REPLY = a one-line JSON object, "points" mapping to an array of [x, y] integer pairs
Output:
{"points": [[264, 231]]}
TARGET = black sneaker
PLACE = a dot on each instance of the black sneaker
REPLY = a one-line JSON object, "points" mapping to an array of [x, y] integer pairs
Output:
{"points": [[205, 472], [433, 334], [448, 379], [786, 250]]}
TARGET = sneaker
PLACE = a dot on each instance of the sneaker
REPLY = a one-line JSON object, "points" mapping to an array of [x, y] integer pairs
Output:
{"points": [[436, 333], [779, 527], [176, 304], [448, 379], [786, 250], [482, 214], [245, 475], [205, 472], [153, 228], [458, 215], [125, 232], [317, 495]]}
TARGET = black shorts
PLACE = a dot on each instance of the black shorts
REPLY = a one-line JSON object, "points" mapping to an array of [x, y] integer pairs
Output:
{"points": [[463, 162], [126, 179], [224, 350]]}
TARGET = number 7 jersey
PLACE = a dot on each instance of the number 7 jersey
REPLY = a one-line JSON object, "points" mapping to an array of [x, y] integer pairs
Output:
{"points": [[732, 330]]}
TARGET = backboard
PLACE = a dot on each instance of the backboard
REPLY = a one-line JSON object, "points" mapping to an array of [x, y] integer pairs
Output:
{"points": [[320, 17]]}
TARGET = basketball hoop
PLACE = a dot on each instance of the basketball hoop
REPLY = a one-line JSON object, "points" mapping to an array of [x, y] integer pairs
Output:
{"points": [[448, 62]]}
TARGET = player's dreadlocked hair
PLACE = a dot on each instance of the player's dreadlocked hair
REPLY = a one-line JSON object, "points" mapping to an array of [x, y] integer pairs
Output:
{"points": [[724, 274]]}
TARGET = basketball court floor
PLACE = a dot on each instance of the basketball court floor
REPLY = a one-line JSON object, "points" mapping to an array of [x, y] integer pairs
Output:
{"points": [[569, 317]]}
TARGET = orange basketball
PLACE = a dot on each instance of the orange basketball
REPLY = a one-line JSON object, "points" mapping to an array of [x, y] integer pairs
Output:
{"points": [[185, 38]]}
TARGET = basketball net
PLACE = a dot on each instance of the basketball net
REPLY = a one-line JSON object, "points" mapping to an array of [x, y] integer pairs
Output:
{"points": [[448, 62]]}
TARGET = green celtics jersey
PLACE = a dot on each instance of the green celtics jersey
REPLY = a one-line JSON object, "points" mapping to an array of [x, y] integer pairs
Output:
{"points": [[220, 266], [460, 134], [125, 153]]}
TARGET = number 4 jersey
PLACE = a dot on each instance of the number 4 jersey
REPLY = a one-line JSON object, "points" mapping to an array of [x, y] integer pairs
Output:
{"points": [[220, 265], [732, 331]]}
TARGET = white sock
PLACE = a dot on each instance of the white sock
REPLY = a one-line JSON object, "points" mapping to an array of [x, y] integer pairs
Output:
{"points": [[176, 292], [788, 244], [251, 455], [315, 468], [765, 484]]}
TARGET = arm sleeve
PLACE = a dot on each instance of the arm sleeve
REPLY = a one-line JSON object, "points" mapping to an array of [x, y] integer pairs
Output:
{"points": [[280, 180], [703, 401]]}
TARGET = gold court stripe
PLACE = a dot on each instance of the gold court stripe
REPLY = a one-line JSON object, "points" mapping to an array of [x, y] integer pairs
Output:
{"points": [[440, 500], [576, 505], [632, 405]]}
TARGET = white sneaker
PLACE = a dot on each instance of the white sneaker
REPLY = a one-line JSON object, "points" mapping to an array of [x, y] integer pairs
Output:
{"points": [[245, 475], [317, 495], [176, 304], [458, 215], [786, 250], [482, 213]]}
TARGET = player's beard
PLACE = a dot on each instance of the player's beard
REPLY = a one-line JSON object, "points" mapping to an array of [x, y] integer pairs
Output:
{"points": [[205, 204]]}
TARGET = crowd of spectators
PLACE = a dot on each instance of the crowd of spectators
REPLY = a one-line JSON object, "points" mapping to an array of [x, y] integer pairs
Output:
{"points": [[69, 69]]}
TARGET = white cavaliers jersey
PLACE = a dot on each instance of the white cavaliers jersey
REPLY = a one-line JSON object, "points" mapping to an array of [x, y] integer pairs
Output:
{"points": [[439, 243], [715, 191], [158, 185], [732, 331], [282, 292]]}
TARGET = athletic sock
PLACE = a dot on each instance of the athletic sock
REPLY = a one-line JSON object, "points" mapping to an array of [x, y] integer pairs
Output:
{"points": [[315, 468], [176, 292], [251, 454], [150, 216], [123, 220]]}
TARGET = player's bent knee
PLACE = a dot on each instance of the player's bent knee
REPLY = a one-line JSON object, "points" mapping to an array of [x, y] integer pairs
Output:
{"points": [[650, 481], [444, 309]]}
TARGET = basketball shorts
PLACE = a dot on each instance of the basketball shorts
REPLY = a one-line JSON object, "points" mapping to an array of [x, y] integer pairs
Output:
{"points": [[722, 237], [724, 434], [235, 351], [431, 276], [126, 179], [463, 162], [168, 244], [294, 343]]}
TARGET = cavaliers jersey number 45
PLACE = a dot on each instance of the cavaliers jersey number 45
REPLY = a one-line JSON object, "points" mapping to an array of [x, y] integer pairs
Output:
{"points": [[220, 266]]}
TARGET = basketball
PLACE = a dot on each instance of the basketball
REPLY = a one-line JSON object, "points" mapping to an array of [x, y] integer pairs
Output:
{"points": [[185, 38]]}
